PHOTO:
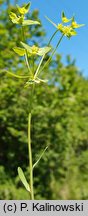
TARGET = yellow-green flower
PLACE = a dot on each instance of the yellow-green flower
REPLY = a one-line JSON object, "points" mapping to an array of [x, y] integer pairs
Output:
{"points": [[16, 19], [76, 25], [64, 18], [21, 18], [60, 27], [67, 30], [23, 10], [31, 50], [34, 50]]}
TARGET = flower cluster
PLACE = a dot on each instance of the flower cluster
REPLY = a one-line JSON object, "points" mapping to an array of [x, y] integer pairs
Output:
{"points": [[67, 30], [28, 51], [21, 18], [31, 50]]}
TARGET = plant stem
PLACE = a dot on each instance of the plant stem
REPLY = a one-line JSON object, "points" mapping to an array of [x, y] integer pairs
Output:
{"points": [[30, 157], [50, 58], [37, 71], [27, 63], [29, 129], [23, 37], [38, 68], [26, 55], [52, 37], [29, 147]]}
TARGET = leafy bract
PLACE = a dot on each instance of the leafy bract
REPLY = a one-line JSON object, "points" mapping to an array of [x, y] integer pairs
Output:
{"points": [[19, 51], [76, 25], [44, 50], [34, 50], [30, 22], [23, 179]]}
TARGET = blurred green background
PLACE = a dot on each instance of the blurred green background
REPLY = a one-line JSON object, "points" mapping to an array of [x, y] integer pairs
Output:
{"points": [[60, 120]]}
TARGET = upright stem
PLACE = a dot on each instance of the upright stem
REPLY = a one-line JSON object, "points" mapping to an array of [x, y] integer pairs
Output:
{"points": [[27, 63], [26, 54], [29, 116], [37, 71], [29, 146], [30, 157], [29, 129]]}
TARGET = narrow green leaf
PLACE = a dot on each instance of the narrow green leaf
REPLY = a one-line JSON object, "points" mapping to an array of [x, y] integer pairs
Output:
{"points": [[15, 75], [40, 157], [30, 22], [23, 179], [19, 51]]}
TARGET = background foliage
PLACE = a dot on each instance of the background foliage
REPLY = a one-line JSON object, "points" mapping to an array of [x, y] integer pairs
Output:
{"points": [[60, 121]]}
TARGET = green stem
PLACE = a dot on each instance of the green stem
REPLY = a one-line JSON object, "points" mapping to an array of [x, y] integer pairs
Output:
{"points": [[22, 33], [38, 68], [27, 63], [26, 55], [33, 65], [50, 58], [52, 37], [29, 146], [30, 157], [29, 131], [37, 71]]}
